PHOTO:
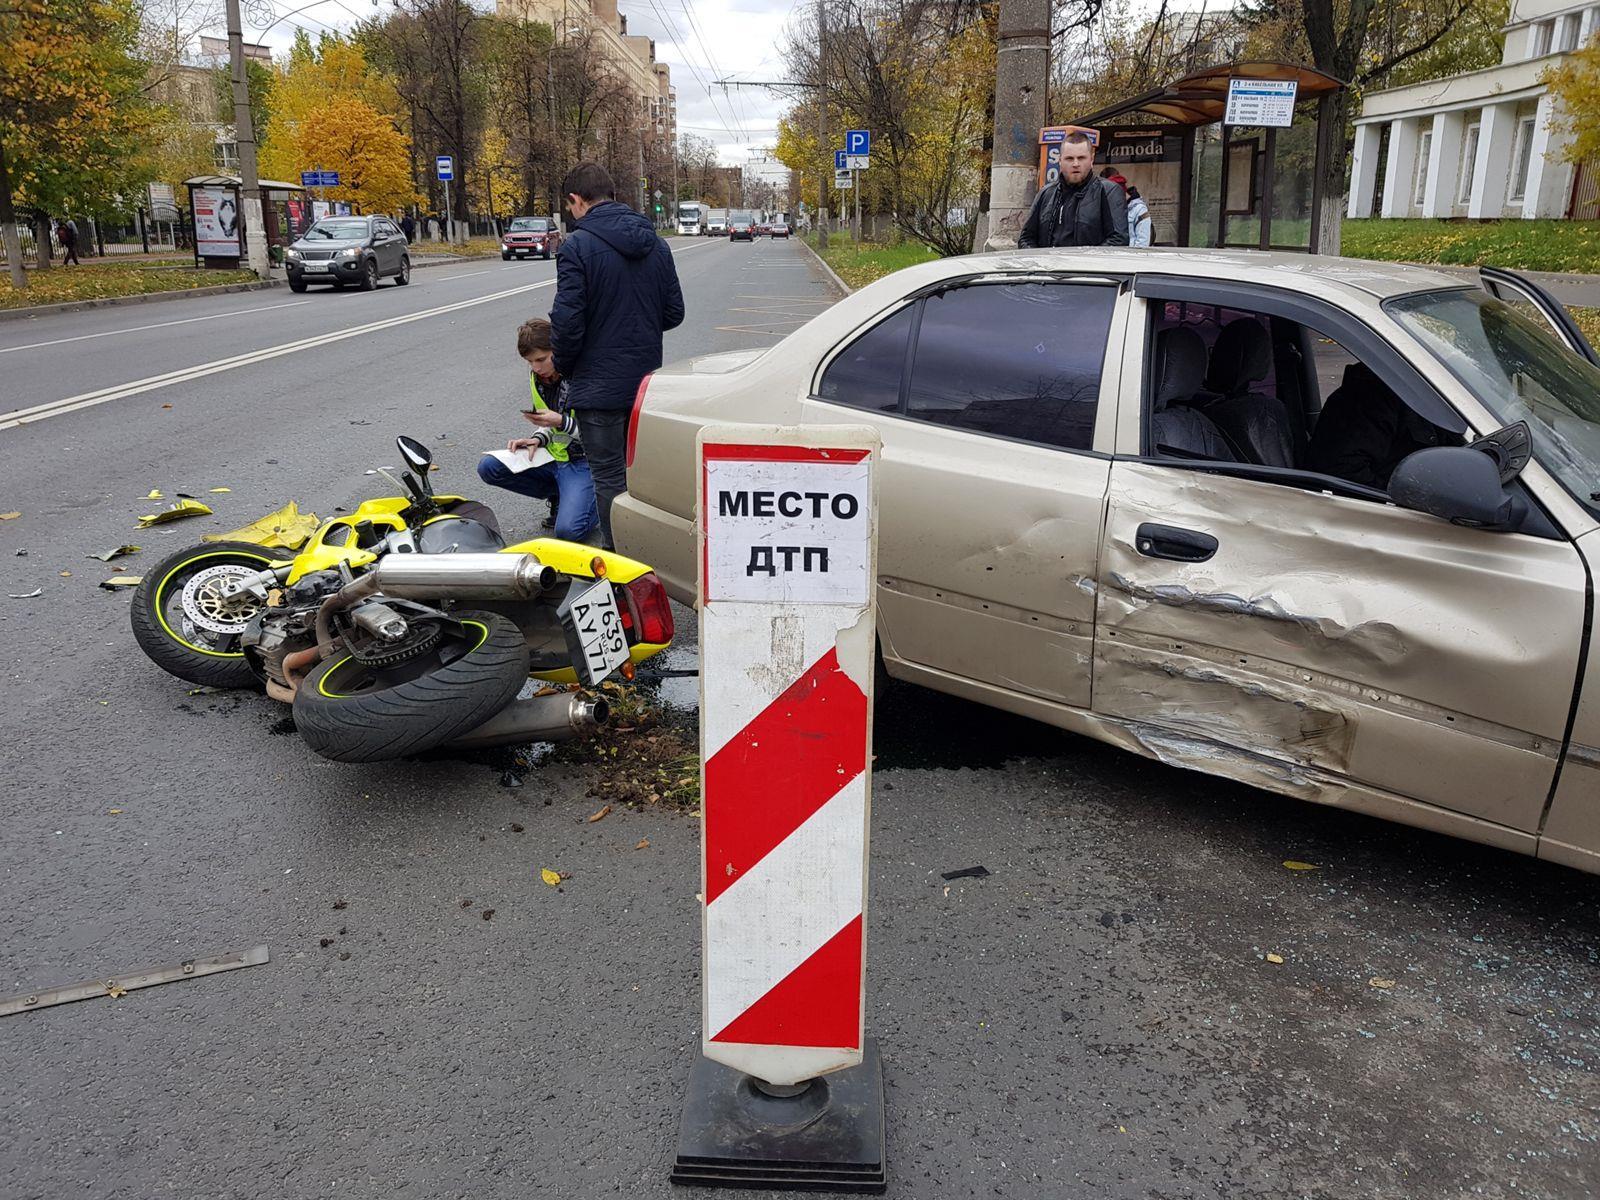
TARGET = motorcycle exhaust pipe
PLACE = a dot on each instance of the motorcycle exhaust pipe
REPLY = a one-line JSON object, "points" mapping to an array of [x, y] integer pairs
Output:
{"points": [[555, 718], [463, 576]]}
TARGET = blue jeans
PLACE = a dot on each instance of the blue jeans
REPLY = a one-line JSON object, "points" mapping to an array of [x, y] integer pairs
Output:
{"points": [[568, 486]]}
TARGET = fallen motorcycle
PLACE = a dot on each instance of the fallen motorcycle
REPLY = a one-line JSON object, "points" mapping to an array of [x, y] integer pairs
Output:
{"points": [[407, 625]]}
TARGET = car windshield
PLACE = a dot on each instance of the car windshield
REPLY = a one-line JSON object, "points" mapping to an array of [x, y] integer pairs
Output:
{"points": [[534, 224], [1521, 371], [338, 231], [741, 218]]}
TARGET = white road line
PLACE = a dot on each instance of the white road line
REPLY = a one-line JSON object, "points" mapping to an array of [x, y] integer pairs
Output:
{"points": [[463, 275], [55, 408], [83, 337]]}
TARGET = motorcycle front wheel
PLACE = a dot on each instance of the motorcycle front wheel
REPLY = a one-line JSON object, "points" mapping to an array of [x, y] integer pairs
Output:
{"points": [[353, 711], [184, 623]]}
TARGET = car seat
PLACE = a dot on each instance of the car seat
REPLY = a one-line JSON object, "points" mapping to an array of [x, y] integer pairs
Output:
{"points": [[1258, 424], [1180, 367]]}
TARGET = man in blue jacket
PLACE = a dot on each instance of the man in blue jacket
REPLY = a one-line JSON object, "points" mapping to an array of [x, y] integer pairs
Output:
{"points": [[616, 293]]}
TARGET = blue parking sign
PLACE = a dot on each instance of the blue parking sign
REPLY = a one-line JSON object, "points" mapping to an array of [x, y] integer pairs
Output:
{"points": [[858, 141], [838, 161]]}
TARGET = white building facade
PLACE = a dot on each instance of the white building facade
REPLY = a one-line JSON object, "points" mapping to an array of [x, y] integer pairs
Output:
{"points": [[1483, 144]]}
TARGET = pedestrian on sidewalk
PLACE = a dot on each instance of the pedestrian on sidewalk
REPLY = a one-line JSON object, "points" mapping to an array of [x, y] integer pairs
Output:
{"points": [[408, 227], [68, 237], [616, 293], [564, 480], [1078, 209]]}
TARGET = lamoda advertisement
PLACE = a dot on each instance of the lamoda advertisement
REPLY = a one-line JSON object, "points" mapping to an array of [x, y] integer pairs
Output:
{"points": [[1152, 161], [216, 222]]}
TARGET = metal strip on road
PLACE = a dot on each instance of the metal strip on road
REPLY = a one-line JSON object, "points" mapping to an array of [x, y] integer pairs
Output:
{"points": [[56, 408], [131, 981], [83, 337]]}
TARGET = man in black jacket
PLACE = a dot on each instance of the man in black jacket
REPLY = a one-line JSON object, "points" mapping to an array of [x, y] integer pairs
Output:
{"points": [[616, 293], [1078, 209]]}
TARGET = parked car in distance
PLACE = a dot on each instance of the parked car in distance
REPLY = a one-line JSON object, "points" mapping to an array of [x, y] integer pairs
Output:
{"points": [[529, 236], [741, 227], [348, 250], [779, 229], [1321, 526]]}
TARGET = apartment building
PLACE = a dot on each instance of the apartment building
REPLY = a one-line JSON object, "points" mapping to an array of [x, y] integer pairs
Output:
{"points": [[1484, 143]]}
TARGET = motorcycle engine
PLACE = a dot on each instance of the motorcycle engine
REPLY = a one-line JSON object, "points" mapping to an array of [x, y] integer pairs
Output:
{"points": [[274, 635]]}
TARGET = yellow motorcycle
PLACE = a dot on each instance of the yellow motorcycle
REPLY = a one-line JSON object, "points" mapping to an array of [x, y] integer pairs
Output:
{"points": [[407, 625]]}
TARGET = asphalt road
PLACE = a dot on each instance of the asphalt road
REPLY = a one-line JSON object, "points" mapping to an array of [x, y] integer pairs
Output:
{"points": [[1095, 1018]]}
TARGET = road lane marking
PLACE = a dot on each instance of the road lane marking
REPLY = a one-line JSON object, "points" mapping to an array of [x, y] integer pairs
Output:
{"points": [[463, 275], [83, 337], [55, 408]]}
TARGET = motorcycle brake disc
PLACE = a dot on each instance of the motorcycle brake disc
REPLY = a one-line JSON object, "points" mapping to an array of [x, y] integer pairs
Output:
{"points": [[207, 608]]}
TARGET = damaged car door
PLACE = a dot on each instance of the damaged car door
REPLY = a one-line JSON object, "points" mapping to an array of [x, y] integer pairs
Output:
{"points": [[1273, 623], [997, 425]]}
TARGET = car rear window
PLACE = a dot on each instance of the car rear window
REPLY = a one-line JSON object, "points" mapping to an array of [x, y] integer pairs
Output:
{"points": [[866, 373]]}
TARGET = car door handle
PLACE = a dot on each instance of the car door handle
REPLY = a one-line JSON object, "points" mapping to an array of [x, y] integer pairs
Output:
{"points": [[1180, 545]]}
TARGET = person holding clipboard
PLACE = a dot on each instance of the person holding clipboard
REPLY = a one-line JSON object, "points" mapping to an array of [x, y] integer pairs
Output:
{"points": [[550, 465]]}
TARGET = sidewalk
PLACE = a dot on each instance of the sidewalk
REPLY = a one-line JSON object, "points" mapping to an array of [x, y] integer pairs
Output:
{"points": [[1575, 291]]}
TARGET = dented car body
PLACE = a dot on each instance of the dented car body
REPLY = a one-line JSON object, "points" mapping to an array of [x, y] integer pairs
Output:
{"points": [[1321, 526]]}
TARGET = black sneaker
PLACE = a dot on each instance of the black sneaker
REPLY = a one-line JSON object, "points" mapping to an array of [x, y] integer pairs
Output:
{"points": [[550, 521]]}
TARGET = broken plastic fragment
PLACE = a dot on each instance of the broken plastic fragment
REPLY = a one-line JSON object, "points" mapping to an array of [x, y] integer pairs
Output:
{"points": [[1275, 958], [155, 494], [174, 512], [10, 516], [27, 595], [549, 876], [1300, 866], [966, 873], [118, 552], [222, 489], [288, 528], [118, 582]]}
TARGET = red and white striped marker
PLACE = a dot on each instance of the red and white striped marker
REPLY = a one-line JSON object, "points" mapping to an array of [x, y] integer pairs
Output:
{"points": [[788, 540]]}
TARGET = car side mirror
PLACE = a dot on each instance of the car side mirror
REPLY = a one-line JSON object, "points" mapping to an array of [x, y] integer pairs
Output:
{"points": [[415, 453], [1459, 484]]}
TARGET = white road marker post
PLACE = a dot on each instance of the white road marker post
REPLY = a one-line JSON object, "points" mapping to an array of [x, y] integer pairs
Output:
{"points": [[787, 1091]]}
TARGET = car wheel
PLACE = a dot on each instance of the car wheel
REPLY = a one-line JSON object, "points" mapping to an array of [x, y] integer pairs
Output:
{"points": [[369, 275], [404, 277], [297, 285], [505, 258]]}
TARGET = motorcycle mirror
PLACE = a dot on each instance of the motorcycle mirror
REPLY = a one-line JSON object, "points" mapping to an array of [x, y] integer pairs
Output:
{"points": [[414, 452]]}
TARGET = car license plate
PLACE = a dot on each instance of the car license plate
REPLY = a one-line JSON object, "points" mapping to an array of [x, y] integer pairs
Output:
{"points": [[594, 631], [322, 266]]}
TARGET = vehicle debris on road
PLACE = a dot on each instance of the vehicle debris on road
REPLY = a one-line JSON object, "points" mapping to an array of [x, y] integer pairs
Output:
{"points": [[176, 511], [286, 528], [116, 552]]}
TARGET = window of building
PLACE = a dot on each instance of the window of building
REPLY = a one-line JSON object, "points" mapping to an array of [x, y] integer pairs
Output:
{"points": [[1424, 152], [867, 373], [1018, 360], [228, 155], [1567, 32], [1591, 18], [1469, 162], [1541, 36], [1522, 158]]}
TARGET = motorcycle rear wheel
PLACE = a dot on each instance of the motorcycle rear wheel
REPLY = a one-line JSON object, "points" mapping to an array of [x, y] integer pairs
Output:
{"points": [[351, 712], [189, 631]]}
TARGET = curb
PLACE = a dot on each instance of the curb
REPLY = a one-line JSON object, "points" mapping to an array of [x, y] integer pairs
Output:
{"points": [[833, 276], [221, 289]]}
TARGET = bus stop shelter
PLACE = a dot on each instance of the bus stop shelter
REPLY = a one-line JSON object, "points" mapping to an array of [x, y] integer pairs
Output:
{"points": [[217, 208], [1212, 183]]}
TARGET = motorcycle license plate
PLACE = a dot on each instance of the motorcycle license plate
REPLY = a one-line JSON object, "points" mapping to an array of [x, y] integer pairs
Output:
{"points": [[594, 631]]}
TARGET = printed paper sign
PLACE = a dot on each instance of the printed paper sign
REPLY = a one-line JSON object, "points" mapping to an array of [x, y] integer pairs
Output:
{"points": [[785, 528], [216, 222], [1261, 102]]}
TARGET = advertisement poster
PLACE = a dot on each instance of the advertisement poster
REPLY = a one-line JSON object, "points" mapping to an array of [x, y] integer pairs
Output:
{"points": [[319, 209], [1152, 161], [299, 216], [216, 223]]}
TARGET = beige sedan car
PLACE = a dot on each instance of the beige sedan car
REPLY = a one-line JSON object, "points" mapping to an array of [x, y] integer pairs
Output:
{"points": [[1323, 526]]}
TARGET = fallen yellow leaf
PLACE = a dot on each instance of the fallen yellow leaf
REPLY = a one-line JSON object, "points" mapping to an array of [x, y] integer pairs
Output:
{"points": [[644, 844], [1385, 984], [115, 990], [1293, 865], [1275, 958], [600, 814], [11, 516], [65, 574], [549, 876], [113, 811]]}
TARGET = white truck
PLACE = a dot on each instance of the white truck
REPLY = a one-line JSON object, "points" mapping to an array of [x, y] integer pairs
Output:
{"points": [[691, 218], [717, 223]]}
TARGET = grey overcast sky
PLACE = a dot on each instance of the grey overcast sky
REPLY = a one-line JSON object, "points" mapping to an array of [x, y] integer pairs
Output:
{"points": [[702, 40]]}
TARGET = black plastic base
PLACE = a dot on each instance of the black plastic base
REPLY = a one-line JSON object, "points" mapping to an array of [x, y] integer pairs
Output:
{"points": [[827, 1139]]}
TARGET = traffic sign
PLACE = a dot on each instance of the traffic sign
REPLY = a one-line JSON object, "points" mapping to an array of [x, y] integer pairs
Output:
{"points": [[857, 162], [445, 166], [839, 161], [843, 180], [858, 141], [658, 194], [319, 179]]}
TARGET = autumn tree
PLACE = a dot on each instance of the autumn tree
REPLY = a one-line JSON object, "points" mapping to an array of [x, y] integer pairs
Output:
{"points": [[1576, 84], [350, 136], [315, 76], [72, 116]]}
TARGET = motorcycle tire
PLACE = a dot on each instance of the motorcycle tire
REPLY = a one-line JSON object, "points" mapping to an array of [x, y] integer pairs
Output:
{"points": [[167, 632], [351, 713]]}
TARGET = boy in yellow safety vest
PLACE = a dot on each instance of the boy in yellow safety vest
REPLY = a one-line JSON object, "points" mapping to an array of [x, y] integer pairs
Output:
{"points": [[564, 480]]}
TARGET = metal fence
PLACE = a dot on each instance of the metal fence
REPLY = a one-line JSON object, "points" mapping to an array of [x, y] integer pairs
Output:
{"points": [[30, 246]]}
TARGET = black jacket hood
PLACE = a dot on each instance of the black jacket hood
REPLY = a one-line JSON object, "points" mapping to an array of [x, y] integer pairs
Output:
{"points": [[628, 233]]}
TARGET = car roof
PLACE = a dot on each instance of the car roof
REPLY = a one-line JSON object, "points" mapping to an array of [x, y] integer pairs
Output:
{"points": [[1378, 280]]}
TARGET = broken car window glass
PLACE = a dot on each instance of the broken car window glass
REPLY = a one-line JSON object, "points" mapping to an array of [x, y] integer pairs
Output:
{"points": [[1019, 360], [1517, 367]]}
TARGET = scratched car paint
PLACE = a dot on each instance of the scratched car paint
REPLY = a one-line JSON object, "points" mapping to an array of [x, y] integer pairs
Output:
{"points": [[1270, 616]]}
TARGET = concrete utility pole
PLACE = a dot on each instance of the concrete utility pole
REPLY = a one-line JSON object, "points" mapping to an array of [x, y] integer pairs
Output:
{"points": [[1021, 109], [825, 156], [255, 229]]}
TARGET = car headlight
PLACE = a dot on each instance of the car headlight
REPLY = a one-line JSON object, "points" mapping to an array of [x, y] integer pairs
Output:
{"points": [[350, 252], [503, 246], [291, 252]]}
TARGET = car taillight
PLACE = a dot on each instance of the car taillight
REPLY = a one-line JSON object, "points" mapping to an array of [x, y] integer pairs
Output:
{"points": [[647, 596], [633, 422]]}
